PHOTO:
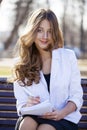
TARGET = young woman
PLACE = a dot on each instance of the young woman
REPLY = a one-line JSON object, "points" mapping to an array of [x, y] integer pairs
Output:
{"points": [[48, 71]]}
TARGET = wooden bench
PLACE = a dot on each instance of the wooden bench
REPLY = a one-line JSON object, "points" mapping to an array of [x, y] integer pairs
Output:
{"points": [[8, 115]]}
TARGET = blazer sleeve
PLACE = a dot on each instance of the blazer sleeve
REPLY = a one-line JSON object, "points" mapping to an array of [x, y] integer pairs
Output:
{"points": [[20, 95], [75, 88]]}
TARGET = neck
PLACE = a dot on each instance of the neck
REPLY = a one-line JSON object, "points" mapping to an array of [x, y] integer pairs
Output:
{"points": [[46, 61], [45, 55]]}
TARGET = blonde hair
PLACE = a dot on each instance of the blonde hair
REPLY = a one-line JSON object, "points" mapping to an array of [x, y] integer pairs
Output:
{"points": [[30, 60]]}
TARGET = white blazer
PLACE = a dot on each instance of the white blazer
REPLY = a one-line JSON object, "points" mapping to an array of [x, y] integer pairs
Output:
{"points": [[65, 85]]}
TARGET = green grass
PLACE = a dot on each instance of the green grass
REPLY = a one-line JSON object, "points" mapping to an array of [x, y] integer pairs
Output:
{"points": [[5, 71]]}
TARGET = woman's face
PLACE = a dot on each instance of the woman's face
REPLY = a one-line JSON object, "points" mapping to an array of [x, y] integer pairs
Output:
{"points": [[43, 40]]}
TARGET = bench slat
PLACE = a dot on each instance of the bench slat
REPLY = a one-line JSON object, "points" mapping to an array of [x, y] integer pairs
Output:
{"points": [[8, 115], [6, 94], [7, 128], [9, 122], [83, 125], [84, 89], [7, 107], [8, 100], [84, 110], [85, 103], [85, 96], [6, 86], [84, 118]]}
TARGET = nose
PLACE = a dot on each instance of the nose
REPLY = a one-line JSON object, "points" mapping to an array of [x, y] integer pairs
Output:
{"points": [[45, 35]]}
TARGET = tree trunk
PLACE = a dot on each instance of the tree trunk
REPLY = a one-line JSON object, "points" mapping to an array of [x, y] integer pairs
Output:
{"points": [[81, 26], [18, 21]]}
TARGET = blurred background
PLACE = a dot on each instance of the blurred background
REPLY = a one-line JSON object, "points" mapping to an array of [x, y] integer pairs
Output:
{"points": [[72, 16]]}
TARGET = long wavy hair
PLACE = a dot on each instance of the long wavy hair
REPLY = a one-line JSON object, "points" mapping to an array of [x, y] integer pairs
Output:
{"points": [[30, 62]]}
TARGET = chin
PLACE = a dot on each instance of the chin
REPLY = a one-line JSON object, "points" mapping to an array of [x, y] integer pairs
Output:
{"points": [[48, 48]]}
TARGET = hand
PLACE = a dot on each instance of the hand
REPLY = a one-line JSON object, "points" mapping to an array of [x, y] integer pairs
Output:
{"points": [[55, 115], [33, 101]]}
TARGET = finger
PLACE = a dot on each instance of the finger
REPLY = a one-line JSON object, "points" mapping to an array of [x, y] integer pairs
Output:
{"points": [[49, 116], [52, 117], [48, 113], [37, 99], [33, 100], [29, 105]]}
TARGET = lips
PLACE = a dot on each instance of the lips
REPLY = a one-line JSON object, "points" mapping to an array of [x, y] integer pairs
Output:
{"points": [[44, 42]]}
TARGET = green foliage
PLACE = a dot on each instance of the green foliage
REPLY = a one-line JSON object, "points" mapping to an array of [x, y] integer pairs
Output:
{"points": [[5, 71]]}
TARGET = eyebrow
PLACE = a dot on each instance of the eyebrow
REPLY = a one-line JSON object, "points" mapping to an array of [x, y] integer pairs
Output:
{"points": [[42, 28]]}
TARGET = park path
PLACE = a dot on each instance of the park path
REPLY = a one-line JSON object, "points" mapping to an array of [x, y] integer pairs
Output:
{"points": [[6, 62]]}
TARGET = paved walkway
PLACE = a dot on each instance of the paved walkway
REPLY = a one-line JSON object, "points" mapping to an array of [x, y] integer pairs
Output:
{"points": [[6, 62]]}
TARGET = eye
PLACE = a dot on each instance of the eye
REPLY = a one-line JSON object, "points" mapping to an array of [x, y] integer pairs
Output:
{"points": [[50, 31], [39, 30]]}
